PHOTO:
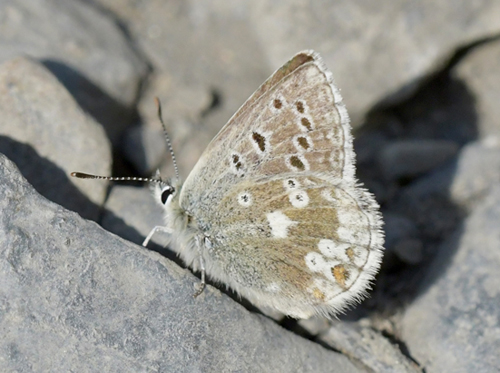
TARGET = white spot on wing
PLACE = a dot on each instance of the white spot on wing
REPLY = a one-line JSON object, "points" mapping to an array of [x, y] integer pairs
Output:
{"points": [[360, 255], [299, 198], [332, 249], [315, 261], [279, 224], [352, 217], [245, 199], [354, 235], [329, 288], [327, 248], [237, 163]]}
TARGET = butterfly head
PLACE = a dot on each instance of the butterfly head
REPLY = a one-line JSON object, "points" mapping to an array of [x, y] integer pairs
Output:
{"points": [[166, 192]]}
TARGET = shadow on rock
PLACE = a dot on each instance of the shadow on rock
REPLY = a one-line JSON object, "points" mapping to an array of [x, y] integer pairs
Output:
{"points": [[419, 212], [114, 116], [53, 183]]}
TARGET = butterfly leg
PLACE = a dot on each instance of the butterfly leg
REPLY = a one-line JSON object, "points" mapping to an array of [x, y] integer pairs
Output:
{"points": [[158, 228], [202, 269]]}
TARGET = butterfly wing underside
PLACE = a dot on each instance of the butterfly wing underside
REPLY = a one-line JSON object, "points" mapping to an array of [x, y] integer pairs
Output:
{"points": [[276, 196]]}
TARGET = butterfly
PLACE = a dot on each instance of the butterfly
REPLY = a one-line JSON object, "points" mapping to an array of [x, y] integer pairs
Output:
{"points": [[273, 209]]}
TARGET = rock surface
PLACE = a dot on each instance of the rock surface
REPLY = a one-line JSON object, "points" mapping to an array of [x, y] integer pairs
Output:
{"points": [[48, 136], [369, 347], [377, 52], [453, 325], [144, 147], [416, 157], [479, 70], [84, 49], [131, 212]]}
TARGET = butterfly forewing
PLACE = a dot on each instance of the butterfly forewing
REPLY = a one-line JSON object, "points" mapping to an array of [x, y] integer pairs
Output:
{"points": [[286, 126], [275, 193]]}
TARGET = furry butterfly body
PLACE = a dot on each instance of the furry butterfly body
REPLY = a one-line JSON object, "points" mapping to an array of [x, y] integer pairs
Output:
{"points": [[272, 208]]}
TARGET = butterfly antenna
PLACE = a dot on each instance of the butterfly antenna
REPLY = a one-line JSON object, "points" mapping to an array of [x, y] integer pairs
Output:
{"points": [[167, 138], [82, 175]]}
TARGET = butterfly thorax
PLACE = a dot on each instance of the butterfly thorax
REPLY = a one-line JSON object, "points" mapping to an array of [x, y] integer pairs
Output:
{"points": [[187, 232]]}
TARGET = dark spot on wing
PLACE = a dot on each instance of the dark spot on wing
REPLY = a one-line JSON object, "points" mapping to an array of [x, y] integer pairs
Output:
{"points": [[259, 140], [297, 163], [300, 107], [306, 123], [303, 142]]}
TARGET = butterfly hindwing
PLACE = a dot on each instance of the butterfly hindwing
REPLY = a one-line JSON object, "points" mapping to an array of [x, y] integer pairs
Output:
{"points": [[307, 240]]}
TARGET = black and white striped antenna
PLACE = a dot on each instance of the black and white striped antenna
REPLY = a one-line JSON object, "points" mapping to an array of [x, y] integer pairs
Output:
{"points": [[167, 138], [82, 175]]}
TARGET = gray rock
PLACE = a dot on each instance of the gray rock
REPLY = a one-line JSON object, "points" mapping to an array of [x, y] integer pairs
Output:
{"points": [[477, 171], [368, 347], [187, 101], [409, 250], [479, 70], [410, 158], [315, 325], [367, 145], [131, 213], [465, 181], [397, 227], [211, 60], [184, 108], [48, 136], [437, 202], [226, 50], [378, 52], [401, 238], [84, 48], [189, 142], [454, 325], [144, 147], [76, 298]]}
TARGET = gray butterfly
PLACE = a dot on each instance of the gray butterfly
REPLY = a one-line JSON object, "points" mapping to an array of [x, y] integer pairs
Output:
{"points": [[272, 208]]}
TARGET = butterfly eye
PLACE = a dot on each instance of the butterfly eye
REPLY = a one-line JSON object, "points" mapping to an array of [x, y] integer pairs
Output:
{"points": [[166, 193]]}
